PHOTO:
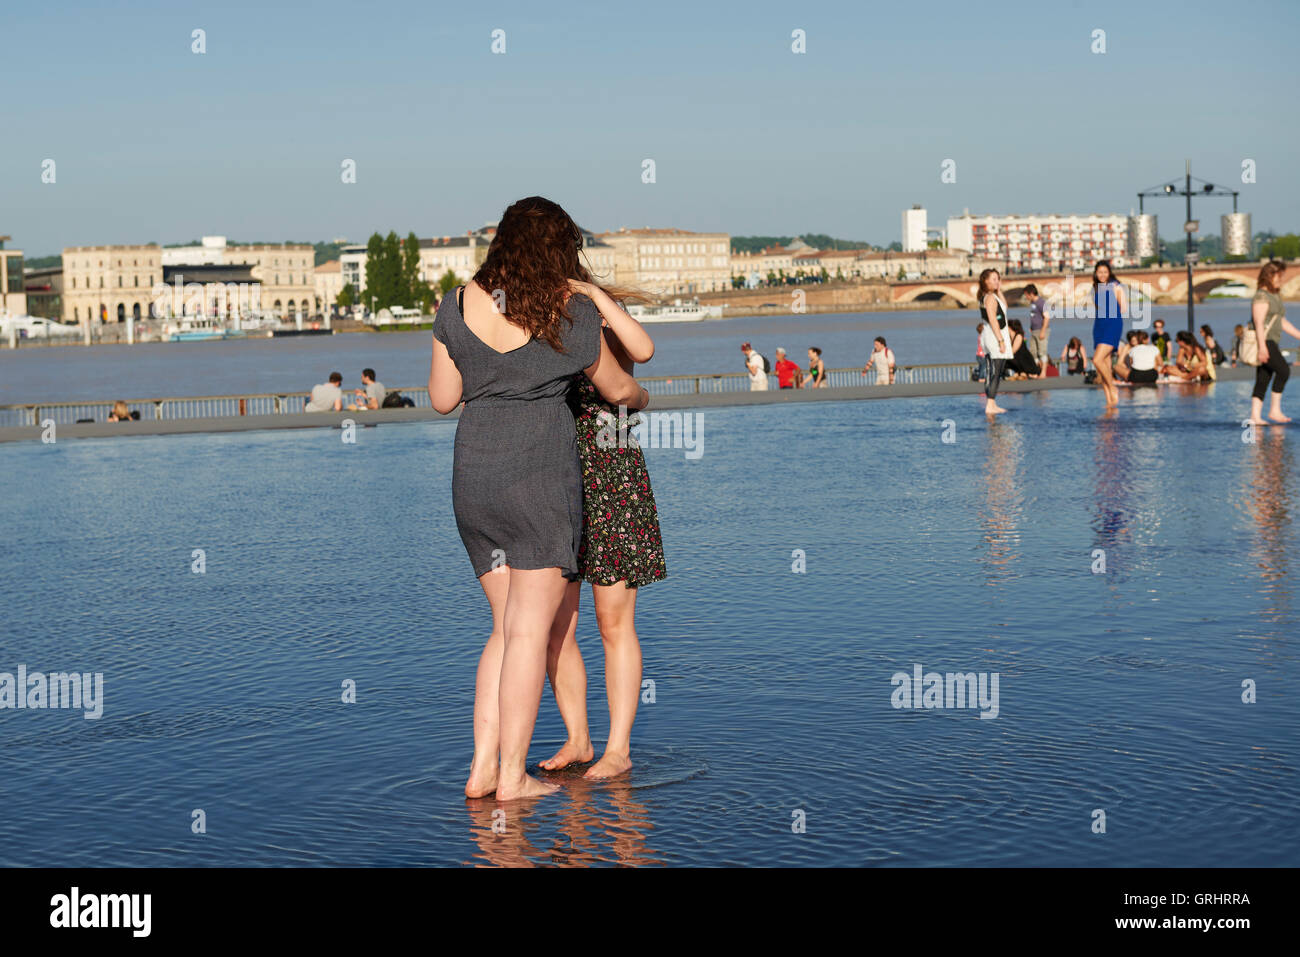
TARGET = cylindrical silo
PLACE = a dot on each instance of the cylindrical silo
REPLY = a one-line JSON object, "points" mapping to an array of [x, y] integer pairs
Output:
{"points": [[1236, 234], [1143, 236]]}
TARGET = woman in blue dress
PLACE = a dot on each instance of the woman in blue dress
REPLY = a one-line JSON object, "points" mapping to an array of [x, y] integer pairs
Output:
{"points": [[1110, 302]]}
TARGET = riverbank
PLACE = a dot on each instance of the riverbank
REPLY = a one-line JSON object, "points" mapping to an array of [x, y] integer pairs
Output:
{"points": [[670, 403]]}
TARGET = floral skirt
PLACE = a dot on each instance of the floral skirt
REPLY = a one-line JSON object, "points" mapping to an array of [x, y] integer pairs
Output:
{"points": [[621, 540]]}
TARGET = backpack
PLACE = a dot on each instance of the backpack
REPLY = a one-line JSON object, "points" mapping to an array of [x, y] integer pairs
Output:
{"points": [[395, 400], [767, 366]]}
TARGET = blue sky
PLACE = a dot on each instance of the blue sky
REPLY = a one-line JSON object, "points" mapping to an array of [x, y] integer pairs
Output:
{"points": [[155, 143]]}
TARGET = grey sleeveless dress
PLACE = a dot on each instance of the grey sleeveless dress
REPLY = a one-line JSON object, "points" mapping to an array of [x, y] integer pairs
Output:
{"points": [[516, 485]]}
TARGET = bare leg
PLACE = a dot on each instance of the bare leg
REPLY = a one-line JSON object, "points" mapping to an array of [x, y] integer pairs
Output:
{"points": [[1257, 411], [1101, 362], [534, 598], [568, 682], [616, 616], [483, 770]]}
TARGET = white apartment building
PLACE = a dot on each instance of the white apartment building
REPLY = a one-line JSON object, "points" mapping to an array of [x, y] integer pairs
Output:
{"points": [[914, 233], [1042, 243]]}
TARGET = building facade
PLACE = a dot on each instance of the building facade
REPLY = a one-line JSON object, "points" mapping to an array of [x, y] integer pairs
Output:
{"points": [[1042, 243], [914, 230], [13, 292], [670, 261], [109, 283], [44, 288], [329, 283]]}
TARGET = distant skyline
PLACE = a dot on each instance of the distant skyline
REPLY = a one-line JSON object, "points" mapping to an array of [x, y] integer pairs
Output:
{"points": [[154, 143]]}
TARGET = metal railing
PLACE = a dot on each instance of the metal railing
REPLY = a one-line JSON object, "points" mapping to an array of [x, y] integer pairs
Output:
{"points": [[289, 403]]}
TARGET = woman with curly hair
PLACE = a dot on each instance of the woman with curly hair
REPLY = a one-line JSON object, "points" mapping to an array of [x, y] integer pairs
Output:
{"points": [[507, 346]]}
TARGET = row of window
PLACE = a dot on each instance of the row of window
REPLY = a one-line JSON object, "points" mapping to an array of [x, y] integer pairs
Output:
{"points": [[683, 248]]}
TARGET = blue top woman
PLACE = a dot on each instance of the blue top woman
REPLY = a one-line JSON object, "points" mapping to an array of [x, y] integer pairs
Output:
{"points": [[1110, 303]]}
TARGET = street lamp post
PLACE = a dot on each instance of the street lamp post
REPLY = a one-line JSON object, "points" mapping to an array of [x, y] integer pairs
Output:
{"points": [[1190, 226]]}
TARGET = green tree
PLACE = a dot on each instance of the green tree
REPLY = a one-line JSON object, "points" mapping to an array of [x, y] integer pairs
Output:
{"points": [[347, 297], [415, 289], [374, 297], [1281, 247], [448, 282]]}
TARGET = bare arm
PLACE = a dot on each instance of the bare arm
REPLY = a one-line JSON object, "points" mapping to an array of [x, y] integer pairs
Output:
{"points": [[1258, 310], [635, 340], [445, 386], [613, 383]]}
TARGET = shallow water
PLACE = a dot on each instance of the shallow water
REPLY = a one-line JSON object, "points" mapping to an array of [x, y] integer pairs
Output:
{"points": [[70, 373], [325, 562]]}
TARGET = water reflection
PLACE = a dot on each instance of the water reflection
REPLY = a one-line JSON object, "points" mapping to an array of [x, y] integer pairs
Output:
{"points": [[1267, 501], [1113, 464], [587, 831], [1002, 507]]}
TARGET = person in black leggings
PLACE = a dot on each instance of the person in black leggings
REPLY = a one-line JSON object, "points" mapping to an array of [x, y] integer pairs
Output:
{"points": [[996, 338], [1269, 318]]}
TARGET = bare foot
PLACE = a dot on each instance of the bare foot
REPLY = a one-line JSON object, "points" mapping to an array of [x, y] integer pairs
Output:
{"points": [[1256, 422], [570, 753], [610, 766], [1279, 417], [528, 787], [481, 783], [994, 410]]}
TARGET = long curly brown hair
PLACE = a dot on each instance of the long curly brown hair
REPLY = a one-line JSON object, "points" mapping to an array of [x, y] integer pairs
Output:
{"points": [[534, 254]]}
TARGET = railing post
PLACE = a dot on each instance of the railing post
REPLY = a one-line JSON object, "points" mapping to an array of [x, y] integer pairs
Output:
{"points": [[36, 415], [157, 409]]}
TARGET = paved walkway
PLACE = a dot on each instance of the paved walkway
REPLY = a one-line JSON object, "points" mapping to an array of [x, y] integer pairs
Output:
{"points": [[309, 420]]}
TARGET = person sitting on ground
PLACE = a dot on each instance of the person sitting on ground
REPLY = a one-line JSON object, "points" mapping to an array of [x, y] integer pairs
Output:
{"points": [[328, 396], [372, 395], [788, 374], [1022, 364], [121, 413], [882, 357], [1238, 334], [1073, 357], [1191, 365], [816, 378], [1121, 357], [1212, 348], [1142, 361]]}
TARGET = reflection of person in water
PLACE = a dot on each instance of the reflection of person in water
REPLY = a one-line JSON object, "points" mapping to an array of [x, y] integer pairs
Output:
{"points": [[1267, 501], [1003, 506]]}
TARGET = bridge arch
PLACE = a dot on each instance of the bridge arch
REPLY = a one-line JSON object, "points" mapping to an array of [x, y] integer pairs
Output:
{"points": [[938, 291]]}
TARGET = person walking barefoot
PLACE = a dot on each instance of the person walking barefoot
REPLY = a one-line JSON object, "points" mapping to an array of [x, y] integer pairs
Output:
{"points": [[622, 550], [1110, 302], [516, 478], [995, 336], [1268, 316]]}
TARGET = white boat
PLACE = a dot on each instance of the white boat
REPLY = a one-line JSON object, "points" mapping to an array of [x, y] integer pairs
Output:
{"points": [[1230, 290], [677, 311]]}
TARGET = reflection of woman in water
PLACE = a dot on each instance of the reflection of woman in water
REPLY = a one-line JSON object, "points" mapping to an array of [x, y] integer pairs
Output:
{"points": [[1110, 302], [1266, 497], [995, 336]]}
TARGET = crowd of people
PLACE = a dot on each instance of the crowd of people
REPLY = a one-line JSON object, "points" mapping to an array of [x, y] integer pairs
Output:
{"points": [[1137, 358]]}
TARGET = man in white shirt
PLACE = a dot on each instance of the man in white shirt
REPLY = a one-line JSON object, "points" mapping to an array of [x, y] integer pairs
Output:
{"points": [[1143, 360], [882, 357], [373, 393], [754, 364], [328, 396]]}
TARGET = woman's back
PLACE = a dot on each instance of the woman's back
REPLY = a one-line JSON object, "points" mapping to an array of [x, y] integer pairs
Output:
{"points": [[532, 370]]}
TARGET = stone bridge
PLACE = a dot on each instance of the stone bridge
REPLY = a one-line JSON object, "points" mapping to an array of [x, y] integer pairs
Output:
{"points": [[1163, 285]]}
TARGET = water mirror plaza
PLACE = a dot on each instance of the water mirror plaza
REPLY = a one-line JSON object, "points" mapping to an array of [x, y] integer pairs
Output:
{"points": [[1125, 577]]}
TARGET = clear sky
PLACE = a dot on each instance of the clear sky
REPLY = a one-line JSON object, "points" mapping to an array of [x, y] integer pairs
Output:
{"points": [[155, 143]]}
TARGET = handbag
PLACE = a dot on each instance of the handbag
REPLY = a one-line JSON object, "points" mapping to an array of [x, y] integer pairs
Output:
{"points": [[1248, 354]]}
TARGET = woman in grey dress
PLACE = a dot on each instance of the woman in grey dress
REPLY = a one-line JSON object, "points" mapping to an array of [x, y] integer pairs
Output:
{"points": [[507, 346]]}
